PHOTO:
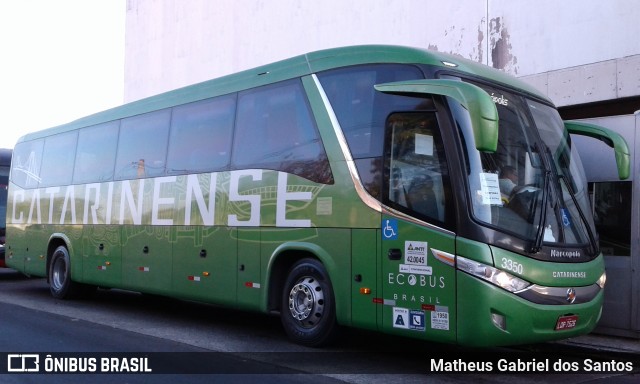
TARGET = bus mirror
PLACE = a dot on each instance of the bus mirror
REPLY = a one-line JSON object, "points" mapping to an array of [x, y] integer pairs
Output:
{"points": [[482, 110], [612, 139]]}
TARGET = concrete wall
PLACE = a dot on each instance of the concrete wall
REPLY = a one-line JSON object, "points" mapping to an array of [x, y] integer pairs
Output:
{"points": [[173, 43], [605, 80]]}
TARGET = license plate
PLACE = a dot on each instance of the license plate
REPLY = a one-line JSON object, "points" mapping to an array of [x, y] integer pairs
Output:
{"points": [[566, 322]]}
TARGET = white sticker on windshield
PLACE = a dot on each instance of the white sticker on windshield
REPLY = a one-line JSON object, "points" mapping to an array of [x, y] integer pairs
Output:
{"points": [[490, 189], [424, 145]]}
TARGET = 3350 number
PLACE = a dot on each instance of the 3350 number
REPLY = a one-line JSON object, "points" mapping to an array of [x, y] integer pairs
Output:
{"points": [[512, 266]]}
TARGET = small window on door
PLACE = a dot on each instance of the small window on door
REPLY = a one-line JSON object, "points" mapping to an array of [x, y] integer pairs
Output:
{"points": [[418, 177]]}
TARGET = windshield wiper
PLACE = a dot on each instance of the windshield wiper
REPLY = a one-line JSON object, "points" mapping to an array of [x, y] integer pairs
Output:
{"points": [[537, 243]]}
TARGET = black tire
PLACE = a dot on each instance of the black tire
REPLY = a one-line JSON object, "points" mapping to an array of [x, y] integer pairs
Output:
{"points": [[60, 283], [308, 312]]}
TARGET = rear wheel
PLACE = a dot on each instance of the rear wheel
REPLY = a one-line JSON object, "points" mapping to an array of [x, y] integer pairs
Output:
{"points": [[60, 283], [308, 311]]}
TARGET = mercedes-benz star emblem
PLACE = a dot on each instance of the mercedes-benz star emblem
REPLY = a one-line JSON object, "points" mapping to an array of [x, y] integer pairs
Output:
{"points": [[571, 295]]}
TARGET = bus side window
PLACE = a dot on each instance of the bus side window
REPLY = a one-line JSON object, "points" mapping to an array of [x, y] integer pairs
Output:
{"points": [[96, 153], [25, 163], [276, 130], [57, 159], [200, 138], [142, 145], [361, 112]]}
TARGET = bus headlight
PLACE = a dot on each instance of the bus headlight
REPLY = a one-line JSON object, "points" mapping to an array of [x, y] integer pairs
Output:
{"points": [[602, 280], [493, 275]]}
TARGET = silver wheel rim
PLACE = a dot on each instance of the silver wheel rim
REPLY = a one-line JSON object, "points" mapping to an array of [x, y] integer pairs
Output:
{"points": [[58, 273], [306, 301]]}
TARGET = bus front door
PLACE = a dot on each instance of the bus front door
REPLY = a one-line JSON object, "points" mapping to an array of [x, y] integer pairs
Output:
{"points": [[418, 280], [417, 253]]}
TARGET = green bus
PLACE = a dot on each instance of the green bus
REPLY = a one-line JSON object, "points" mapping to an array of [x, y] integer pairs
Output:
{"points": [[360, 186]]}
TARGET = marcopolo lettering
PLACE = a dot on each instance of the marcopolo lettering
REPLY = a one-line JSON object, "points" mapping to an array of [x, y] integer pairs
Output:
{"points": [[500, 99], [556, 253]]}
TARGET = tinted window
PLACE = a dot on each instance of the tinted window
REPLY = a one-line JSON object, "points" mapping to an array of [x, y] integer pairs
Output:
{"points": [[25, 164], [360, 109], [275, 130], [142, 145], [200, 137], [96, 153], [57, 159], [416, 164], [612, 216]]}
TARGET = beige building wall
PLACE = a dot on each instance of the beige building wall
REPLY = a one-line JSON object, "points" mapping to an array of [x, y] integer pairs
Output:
{"points": [[575, 50]]}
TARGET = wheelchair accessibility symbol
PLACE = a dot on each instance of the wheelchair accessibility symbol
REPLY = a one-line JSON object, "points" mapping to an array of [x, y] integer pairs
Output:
{"points": [[389, 229]]}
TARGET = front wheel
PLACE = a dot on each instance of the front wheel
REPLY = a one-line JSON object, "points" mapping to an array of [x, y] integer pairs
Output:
{"points": [[308, 311]]}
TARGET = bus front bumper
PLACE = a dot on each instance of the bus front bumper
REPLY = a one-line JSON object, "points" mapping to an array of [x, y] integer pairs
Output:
{"points": [[491, 316]]}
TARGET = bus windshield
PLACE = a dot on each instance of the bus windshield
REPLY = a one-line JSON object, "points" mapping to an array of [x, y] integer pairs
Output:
{"points": [[533, 185]]}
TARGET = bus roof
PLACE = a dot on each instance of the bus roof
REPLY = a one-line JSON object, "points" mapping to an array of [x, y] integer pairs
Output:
{"points": [[291, 68]]}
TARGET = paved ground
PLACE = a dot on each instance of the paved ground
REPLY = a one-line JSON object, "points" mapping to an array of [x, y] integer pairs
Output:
{"points": [[605, 343]]}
